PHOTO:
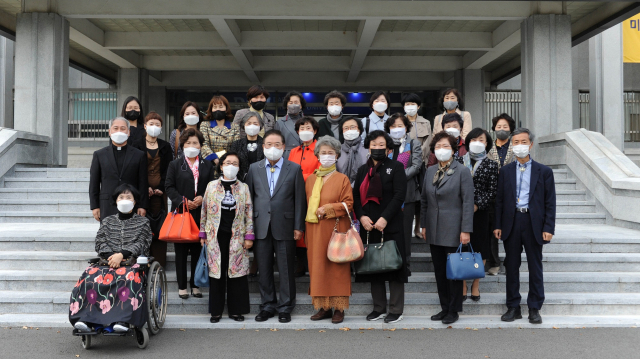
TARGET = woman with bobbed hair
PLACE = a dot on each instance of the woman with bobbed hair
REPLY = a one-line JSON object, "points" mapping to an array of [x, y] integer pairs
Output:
{"points": [[217, 129], [451, 102]]}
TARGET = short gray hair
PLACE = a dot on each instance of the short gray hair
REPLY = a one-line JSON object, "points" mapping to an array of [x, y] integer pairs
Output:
{"points": [[522, 130], [248, 115], [120, 118], [328, 141]]}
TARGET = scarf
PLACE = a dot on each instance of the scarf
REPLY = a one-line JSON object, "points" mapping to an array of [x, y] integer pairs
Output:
{"points": [[371, 187], [314, 200], [353, 161], [478, 158], [194, 170], [441, 171]]}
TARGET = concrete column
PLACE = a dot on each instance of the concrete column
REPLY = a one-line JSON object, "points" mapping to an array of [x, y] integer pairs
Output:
{"points": [[546, 74], [158, 103], [133, 82], [606, 108], [474, 96], [7, 80], [41, 79]]}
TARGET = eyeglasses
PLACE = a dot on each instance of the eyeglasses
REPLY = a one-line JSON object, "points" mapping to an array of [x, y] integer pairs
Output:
{"points": [[437, 147], [226, 163], [354, 127]]}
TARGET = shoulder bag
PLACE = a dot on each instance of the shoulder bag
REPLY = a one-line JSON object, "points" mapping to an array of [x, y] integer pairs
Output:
{"points": [[345, 247], [201, 277], [180, 227]]}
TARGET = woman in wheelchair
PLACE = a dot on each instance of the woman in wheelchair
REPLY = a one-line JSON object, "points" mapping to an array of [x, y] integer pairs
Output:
{"points": [[110, 294]]}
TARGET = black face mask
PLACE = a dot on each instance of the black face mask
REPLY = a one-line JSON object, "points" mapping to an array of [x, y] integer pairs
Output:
{"points": [[379, 154], [258, 105], [218, 115], [502, 134], [132, 115]]}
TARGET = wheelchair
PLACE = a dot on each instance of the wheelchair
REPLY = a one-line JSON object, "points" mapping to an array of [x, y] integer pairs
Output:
{"points": [[156, 312]]}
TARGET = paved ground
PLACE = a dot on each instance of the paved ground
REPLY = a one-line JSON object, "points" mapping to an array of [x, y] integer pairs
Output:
{"points": [[265, 343]]}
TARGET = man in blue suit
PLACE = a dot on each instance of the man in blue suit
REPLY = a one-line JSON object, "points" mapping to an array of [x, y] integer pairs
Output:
{"points": [[525, 217]]}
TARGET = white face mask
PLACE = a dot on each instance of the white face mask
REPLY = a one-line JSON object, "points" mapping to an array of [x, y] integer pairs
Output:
{"points": [[251, 130], [453, 132], [273, 153], [306, 136], [327, 160], [119, 137], [230, 171], [191, 152], [191, 119], [443, 154], [477, 147], [398, 132], [351, 135], [125, 206], [153, 131], [411, 110], [334, 110], [521, 151], [380, 106]]}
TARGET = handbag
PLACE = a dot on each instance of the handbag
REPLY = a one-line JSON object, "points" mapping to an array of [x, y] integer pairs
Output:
{"points": [[180, 227], [464, 265], [345, 247], [381, 257], [201, 277]]}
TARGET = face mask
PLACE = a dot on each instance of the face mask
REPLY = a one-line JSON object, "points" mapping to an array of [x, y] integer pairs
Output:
{"points": [[191, 120], [380, 107], [521, 151], [273, 153], [334, 110], [132, 115], [153, 131], [218, 115], [411, 110], [191, 152], [502, 134], [119, 137], [293, 109], [450, 105], [453, 132], [230, 171], [258, 105], [306, 136], [125, 206], [379, 154], [327, 160], [443, 154], [477, 147], [351, 135], [252, 130], [398, 132]]}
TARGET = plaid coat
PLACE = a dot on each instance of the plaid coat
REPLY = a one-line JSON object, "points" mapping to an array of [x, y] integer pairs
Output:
{"points": [[493, 155], [217, 138]]}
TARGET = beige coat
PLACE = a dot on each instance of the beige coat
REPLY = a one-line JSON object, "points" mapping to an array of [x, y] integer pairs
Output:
{"points": [[421, 131], [466, 128]]}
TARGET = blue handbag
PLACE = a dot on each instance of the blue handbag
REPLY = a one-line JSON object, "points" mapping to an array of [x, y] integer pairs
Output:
{"points": [[201, 278], [464, 265]]}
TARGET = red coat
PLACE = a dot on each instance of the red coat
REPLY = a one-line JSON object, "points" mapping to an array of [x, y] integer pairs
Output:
{"points": [[303, 155]]}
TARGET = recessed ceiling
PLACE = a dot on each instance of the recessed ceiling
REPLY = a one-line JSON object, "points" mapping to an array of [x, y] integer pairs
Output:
{"points": [[153, 25], [297, 25]]}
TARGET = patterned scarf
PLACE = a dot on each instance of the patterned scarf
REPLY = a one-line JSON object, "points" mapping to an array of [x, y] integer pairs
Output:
{"points": [[194, 170], [441, 171], [314, 200], [371, 187]]}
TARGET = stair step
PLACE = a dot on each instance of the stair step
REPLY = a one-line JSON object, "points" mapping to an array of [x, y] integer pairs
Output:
{"points": [[45, 205], [44, 193], [584, 218], [66, 183], [571, 195], [46, 217], [36, 172]]}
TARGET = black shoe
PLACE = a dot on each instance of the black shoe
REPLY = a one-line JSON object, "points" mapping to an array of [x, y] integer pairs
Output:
{"points": [[393, 318], [215, 319], [450, 318], [464, 298], [376, 315], [183, 296], [439, 316], [534, 316], [284, 317], [511, 315], [237, 318], [196, 295], [475, 298], [263, 316]]}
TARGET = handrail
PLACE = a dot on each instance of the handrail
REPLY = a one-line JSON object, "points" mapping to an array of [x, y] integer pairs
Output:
{"points": [[590, 135]]}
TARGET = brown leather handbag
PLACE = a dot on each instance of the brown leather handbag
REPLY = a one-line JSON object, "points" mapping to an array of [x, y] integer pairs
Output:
{"points": [[345, 247]]}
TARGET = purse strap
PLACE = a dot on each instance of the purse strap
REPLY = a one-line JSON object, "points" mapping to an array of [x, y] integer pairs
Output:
{"points": [[335, 227]]}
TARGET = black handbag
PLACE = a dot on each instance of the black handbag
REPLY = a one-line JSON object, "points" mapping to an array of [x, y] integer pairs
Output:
{"points": [[381, 257]]}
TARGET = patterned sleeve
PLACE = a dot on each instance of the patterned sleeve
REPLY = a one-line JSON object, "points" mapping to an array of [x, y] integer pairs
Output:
{"points": [[102, 242], [145, 237], [485, 192], [172, 142], [207, 147], [248, 215]]}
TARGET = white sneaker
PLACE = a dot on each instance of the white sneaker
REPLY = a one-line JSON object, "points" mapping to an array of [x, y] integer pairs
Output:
{"points": [[493, 271], [120, 328], [82, 327]]}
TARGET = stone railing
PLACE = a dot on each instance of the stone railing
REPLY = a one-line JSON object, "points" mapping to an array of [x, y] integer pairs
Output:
{"points": [[18, 147], [612, 178]]}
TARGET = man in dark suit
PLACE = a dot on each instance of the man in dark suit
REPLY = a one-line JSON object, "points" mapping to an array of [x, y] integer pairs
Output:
{"points": [[114, 165], [525, 217], [279, 208]]}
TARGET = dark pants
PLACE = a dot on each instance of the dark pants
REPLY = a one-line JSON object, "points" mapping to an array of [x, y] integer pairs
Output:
{"points": [[236, 289], [522, 236], [494, 256], [183, 250], [409, 211], [159, 251], [449, 291], [285, 252], [396, 297]]}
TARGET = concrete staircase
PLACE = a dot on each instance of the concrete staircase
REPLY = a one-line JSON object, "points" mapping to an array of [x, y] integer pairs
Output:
{"points": [[592, 270]]}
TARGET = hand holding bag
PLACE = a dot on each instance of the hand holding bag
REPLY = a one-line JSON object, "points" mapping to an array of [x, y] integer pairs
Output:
{"points": [[464, 265], [381, 257], [180, 227], [201, 277], [345, 247]]}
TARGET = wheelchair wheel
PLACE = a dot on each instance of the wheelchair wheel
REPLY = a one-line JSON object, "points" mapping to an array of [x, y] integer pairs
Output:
{"points": [[86, 341], [156, 298], [142, 338]]}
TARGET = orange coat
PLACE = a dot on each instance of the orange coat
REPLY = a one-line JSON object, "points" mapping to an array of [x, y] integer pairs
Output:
{"points": [[303, 155]]}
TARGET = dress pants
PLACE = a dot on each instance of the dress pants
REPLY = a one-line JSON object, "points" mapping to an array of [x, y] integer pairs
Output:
{"points": [[285, 251], [396, 297], [449, 291], [236, 289], [522, 236], [183, 250], [494, 256], [409, 211]]}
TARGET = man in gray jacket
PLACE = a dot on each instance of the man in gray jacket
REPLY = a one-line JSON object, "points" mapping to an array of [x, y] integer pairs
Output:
{"points": [[279, 208]]}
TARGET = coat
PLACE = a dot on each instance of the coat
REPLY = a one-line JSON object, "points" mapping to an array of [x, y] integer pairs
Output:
{"points": [[166, 156], [241, 229], [216, 138], [304, 156], [131, 235], [328, 279], [485, 182], [362, 154], [508, 158], [287, 125], [413, 170], [542, 200], [394, 189], [104, 178], [180, 183], [240, 147], [447, 209], [325, 129], [467, 125], [268, 122], [421, 131]]}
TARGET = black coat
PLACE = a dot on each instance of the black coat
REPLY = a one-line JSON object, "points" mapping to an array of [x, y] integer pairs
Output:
{"points": [[394, 190], [240, 147], [104, 178], [166, 156], [325, 130], [180, 183], [137, 134]]}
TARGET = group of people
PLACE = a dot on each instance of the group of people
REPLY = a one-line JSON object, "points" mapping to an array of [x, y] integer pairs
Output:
{"points": [[281, 187]]}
